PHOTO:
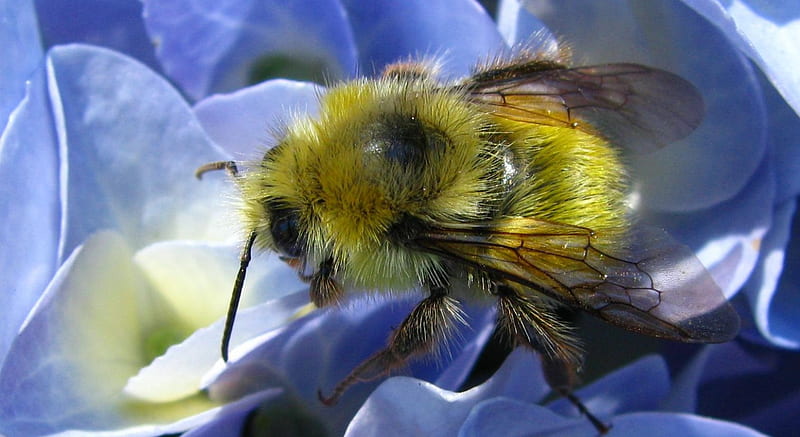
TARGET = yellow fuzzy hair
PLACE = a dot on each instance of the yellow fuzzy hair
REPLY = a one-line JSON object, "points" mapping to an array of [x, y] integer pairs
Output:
{"points": [[347, 199]]}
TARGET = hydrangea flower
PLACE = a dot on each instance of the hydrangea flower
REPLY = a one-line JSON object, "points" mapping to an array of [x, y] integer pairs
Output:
{"points": [[117, 263]]}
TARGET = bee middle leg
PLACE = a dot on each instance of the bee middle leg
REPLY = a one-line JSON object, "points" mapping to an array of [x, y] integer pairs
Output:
{"points": [[535, 325], [423, 331]]}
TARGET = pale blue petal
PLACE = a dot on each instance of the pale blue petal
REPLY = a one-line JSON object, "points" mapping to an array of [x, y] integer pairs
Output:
{"points": [[177, 265], [131, 147], [716, 161], [517, 26], [226, 416], [68, 365], [244, 122], [388, 31], [768, 32], [115, 24], [29, 192], [22, 53], [194, 280], [75, 364], [213, 46]]}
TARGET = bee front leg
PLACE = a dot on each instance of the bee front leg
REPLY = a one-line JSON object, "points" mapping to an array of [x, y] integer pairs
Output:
{"points": [[423, 331], [324, 290], [534, 324]]}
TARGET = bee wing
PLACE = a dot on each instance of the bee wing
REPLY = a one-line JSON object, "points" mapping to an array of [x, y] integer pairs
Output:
{"points": [[650, 284], [633, 106]]}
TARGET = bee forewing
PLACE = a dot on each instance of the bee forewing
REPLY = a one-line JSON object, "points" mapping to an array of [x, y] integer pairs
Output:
{"points": [[643, 281], [676, 297], [633, 106]]}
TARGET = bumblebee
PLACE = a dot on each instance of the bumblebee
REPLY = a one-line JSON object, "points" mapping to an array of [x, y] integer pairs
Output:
{"points": [[507, 185]]}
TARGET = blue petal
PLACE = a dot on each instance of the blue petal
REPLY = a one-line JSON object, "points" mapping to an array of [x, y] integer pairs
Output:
{"points": [[767, 32], [22, 53], [718, 160], [244, 121], [727, 237], [641, 385], [501, 416], [215, 46], [775, 304], [417, 408], [130, 145], [29, 193], [773, 308], [420, 408], [456, 373], [752, 384], [672, 424], [115, 24], [318, 351], [683, 394], [728, 146], [450, 367], [387, 31], [232, 418], [784, 131], [313, 354], [506, 417]]}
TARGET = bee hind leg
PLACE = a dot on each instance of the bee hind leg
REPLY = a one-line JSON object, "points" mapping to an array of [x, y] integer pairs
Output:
{"points": [[534, 324], [423, 331]]}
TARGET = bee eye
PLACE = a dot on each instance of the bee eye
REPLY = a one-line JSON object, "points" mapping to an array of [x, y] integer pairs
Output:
{"points": [[285, 229]]}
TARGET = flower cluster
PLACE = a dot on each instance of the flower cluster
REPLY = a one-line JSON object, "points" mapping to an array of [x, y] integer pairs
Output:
{"points": [[116, 263]]}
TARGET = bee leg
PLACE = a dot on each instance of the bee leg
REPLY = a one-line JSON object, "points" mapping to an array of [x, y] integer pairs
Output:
{"points": [[324, 289], [423, 331], [533, 324], [562, 377], [229, 166]]}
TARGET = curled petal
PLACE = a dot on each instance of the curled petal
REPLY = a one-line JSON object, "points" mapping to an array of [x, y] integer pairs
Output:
{"points": [[130, 149]]}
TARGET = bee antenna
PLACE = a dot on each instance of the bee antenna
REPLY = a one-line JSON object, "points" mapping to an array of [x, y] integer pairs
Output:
{"points": [[244, 261]]}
